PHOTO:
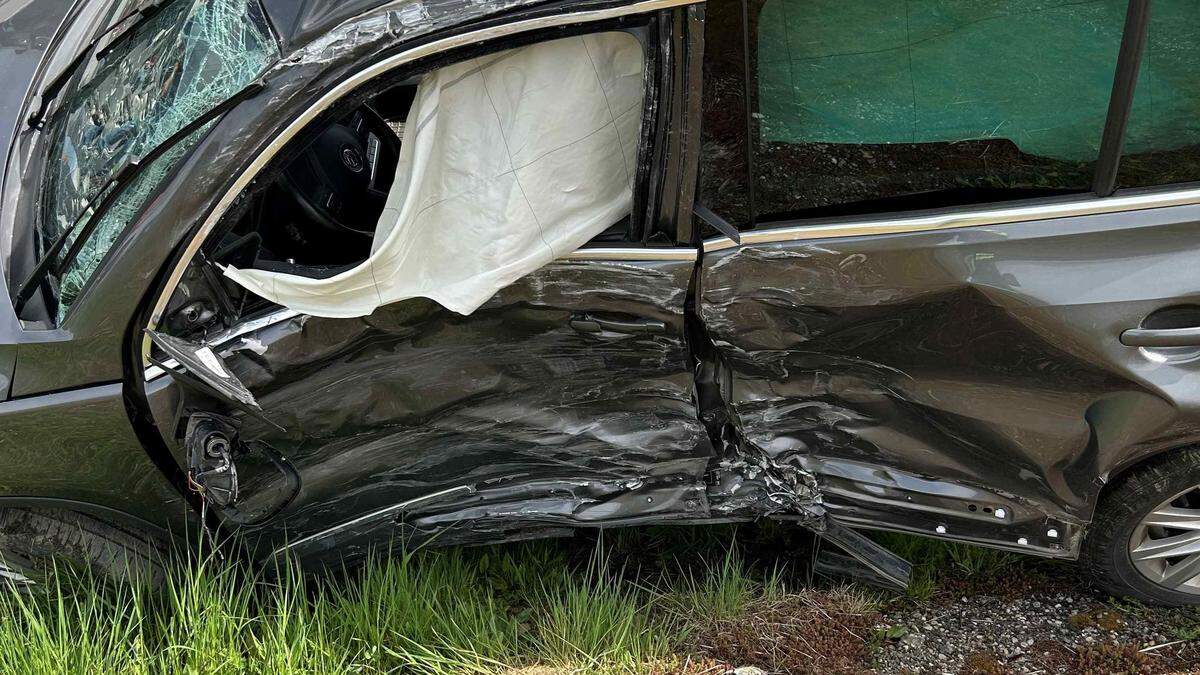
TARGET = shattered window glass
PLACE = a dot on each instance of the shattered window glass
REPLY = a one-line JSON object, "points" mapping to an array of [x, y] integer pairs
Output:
{"points": [[181, 63]]}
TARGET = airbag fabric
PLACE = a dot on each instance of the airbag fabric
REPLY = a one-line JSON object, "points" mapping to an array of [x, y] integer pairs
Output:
{"points": [[508, 162]]}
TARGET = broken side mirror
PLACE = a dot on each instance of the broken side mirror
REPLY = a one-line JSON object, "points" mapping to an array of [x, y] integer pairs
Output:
{"points": [[220, 464], [209, 442]]}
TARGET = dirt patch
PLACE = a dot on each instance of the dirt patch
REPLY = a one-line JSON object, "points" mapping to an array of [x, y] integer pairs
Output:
{"points": [[816, 632], [983, 663]]}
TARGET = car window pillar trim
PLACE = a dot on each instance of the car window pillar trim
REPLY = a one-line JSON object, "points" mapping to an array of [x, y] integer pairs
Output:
{"points": [[747, 90], [1120, 103], [901, 224], [693, 94]]}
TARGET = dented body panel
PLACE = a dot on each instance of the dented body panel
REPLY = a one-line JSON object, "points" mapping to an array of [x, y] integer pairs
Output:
{"points": [[935, 378], [546, 421]]}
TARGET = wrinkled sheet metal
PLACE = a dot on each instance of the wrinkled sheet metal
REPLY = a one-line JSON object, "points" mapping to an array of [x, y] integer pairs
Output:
{"points": [[518, 510], [547, 423], [752, 481], [951, 372]]}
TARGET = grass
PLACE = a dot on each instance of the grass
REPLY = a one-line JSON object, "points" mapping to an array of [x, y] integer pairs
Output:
{"points": [[666, 600], [941, 567]]}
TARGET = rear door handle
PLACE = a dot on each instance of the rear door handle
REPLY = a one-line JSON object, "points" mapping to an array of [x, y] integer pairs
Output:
{"points": [[590, 324], [1161, 337]]}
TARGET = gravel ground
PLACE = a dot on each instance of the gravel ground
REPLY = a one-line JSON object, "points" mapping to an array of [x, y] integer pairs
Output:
{"points": [[1044, 631]]}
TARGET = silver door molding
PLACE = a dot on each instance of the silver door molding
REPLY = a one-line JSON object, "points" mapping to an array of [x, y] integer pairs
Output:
{"points": [[970, 218]]}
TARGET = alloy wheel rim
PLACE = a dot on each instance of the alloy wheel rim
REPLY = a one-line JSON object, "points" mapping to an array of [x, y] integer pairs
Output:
{"points": [[1165, 545]]}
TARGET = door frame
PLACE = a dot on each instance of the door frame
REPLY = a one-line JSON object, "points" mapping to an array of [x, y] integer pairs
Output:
{"points": [[349, 85]]}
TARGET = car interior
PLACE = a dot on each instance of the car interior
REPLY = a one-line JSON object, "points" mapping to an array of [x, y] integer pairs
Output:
{"points": [[314, 215], [318, 216]]}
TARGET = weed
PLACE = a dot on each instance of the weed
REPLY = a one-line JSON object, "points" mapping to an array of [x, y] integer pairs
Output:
{"points": [[594, 620], [1103, 619], [1104, 659], [979, 562], [635, 602], [983, 663], [1184, 623], [720, 591]]}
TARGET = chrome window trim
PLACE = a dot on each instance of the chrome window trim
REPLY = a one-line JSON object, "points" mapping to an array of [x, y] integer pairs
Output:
{"points": [[631, 253], [959, 219], [356, 80]]}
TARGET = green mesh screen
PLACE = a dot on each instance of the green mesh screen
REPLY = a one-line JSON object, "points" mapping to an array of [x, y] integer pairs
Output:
{"points": [[1036, 72], [1162, 142]]}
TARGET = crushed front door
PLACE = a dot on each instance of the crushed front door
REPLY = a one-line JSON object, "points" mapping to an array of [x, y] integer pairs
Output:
{"points": [[565, 400]]}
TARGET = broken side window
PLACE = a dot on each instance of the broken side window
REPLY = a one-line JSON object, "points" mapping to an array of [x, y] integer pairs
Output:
{"points": [[454, 184], [172, 70]]}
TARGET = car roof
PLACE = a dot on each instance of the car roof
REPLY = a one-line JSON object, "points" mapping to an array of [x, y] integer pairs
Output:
{"points": [[299, 22]]}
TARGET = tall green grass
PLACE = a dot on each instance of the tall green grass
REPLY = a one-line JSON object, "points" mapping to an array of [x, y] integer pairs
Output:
{"points": [[445, 611], [624, 605]]}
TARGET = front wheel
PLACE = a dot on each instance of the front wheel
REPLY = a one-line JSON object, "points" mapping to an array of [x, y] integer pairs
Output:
{"points": [[1144, 542], [33, 541]]}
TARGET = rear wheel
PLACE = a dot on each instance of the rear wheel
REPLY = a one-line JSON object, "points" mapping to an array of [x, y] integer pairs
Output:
{"points": [[1145, 540], [34, 541]]}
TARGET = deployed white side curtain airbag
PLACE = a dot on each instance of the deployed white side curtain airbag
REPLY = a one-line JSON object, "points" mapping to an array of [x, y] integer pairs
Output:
{"points": [[508, 162]]}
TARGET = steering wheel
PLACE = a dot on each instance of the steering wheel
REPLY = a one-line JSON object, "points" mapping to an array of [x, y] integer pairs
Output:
{"points": [[341, 180]]}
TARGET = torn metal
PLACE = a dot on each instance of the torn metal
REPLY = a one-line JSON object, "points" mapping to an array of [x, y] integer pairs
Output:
{"points": [[589, 393], [546, 423], [928, 392]]}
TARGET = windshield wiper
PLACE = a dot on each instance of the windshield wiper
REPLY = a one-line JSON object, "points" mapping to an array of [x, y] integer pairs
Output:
{"points": [[143, 13], [108, 194], [37, 119]]}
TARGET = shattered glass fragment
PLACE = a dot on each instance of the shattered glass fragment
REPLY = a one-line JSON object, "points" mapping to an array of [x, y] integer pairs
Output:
{"points": [[178, 65]]}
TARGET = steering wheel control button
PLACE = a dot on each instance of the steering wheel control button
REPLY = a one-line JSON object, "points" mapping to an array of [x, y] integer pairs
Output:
{"points": [[353, 159]]}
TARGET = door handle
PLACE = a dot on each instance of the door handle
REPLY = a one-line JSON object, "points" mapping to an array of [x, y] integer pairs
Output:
{"points": [[1161, 337], [590, 324]]}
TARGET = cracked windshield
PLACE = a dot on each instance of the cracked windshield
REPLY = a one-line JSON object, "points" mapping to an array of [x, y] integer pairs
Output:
{"points": [[173, 69]]}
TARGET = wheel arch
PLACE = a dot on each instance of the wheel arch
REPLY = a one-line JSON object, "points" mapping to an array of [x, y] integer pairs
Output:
{"points": [[109, 514]]}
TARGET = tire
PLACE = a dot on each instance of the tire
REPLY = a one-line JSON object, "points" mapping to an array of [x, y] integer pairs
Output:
{"points": [[34, 541], [1106, 555]]}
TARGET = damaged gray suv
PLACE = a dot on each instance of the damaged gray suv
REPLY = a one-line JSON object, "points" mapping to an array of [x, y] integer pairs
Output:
{"points": [[339, 275]]}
